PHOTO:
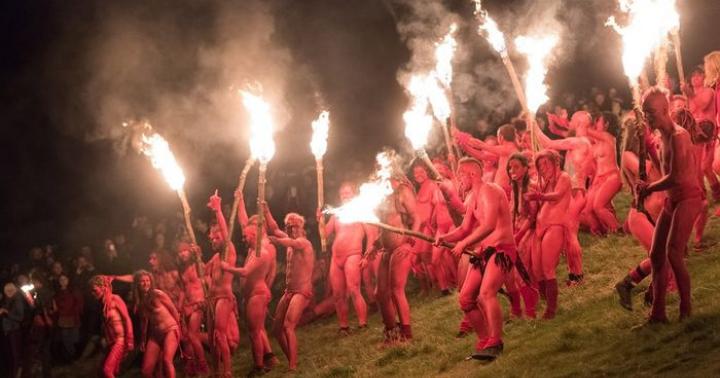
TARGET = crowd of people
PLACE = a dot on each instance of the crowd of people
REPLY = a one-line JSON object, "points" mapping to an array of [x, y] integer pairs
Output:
{"points": [[497, 215]]}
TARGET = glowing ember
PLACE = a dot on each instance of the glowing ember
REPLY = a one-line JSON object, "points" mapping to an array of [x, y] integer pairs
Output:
{"points": [[320, 127], [370, 196], [444, 52], [417, 121], [488, 27], [262, 146], [157, 149], [649, 22], [537, 50]]}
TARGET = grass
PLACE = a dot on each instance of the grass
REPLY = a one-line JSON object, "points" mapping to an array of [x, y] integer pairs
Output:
{"points": [[591, 336]]}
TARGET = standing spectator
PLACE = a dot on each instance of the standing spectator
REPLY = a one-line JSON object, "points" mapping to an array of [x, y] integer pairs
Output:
{"points": [[38, 344], [56, 270], [68, 307], [12, 313]]}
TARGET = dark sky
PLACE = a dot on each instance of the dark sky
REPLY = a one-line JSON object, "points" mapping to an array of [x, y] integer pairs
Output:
{"points": [[71, 72]]}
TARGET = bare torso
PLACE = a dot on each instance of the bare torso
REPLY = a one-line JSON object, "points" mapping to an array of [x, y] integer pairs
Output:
{"points": [[555, 212], [300, 265]]}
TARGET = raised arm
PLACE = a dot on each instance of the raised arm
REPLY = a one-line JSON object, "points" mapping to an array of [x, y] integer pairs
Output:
{"points": [[241, 212], [272, 226], [288, 242], [215, 205], [127, 278]]}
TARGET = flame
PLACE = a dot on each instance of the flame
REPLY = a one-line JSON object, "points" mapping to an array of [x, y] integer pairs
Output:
{"points": [[417, 121], [537, 50], [370, 196], [157, 149], [262, 146], [488, 27], [320, 126], [444, 52], [650, 21]]}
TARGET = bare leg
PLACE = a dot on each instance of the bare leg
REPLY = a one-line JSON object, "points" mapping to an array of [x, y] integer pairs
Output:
{"points": [[256, 309], [681, 228], [601, 204], [352, 284], [339, 290], [383, 294], [150, 358], [295, 310], [399, 269], [170, 346], [491, 283]]}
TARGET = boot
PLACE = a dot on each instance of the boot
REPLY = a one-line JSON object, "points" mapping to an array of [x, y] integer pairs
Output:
{"points": [[530, 297], [551, 293]]}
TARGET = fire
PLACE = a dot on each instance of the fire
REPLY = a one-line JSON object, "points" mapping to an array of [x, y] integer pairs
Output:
{"points": [[444, 52], [537, 50], [417, 121], [262, 146], [157, 149], [370, 196], [649, 22], [488, 27], [320, 127]]}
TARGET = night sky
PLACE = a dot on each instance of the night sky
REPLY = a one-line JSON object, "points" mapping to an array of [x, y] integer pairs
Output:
{"points": [[72, 72]]}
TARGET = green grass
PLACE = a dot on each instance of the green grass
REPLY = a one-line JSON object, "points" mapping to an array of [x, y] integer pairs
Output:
{"points": [[591, 336]]}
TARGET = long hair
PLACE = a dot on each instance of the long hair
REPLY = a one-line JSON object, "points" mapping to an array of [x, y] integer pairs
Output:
{"points": [[712, 68], [138, 296], [519, 188]]}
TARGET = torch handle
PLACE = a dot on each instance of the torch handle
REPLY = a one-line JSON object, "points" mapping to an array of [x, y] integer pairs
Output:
{"points": [[678, 55], [241, 185], [186, 215], [453, 152], [422, 154], [416, 234], [321, 204], [260, 211], [520, 93]]}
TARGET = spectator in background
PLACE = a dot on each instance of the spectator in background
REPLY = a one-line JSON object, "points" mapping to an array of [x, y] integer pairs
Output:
{"points": [[68, 308], [56, 270], [12, 313], [41, 326]]}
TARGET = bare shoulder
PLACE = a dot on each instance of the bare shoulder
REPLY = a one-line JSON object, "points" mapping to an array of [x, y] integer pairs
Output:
{"points": [[493, 189]]}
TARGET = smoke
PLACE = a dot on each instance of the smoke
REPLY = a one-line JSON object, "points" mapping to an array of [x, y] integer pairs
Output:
{"points": [[180, 66]]}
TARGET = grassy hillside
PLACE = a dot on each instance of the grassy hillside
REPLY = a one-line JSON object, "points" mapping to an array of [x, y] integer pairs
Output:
{"points": [[591, 336]]}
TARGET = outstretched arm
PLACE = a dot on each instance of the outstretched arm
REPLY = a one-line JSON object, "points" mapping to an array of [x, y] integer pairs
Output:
{"points": [[560, 144], [601, 136]]}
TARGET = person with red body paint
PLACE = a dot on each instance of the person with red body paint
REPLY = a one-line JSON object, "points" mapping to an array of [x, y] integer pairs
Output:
{"points": [[674, 225], [399, 210], [117, 328], [258, 274], [552, 228], [487, 229], [193, 308], [223, 330], [300, 259], [160, 332], [345, 272]]}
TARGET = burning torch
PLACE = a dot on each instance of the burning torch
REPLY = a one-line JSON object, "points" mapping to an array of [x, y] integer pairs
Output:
{"points": [[156, 148], [262, 148]]}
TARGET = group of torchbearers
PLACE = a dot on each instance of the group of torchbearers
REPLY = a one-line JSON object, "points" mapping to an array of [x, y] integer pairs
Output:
{"points": [[496, 220]]}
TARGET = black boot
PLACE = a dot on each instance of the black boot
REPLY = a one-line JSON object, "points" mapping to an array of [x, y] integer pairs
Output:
{"points": [[624, 290]]}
